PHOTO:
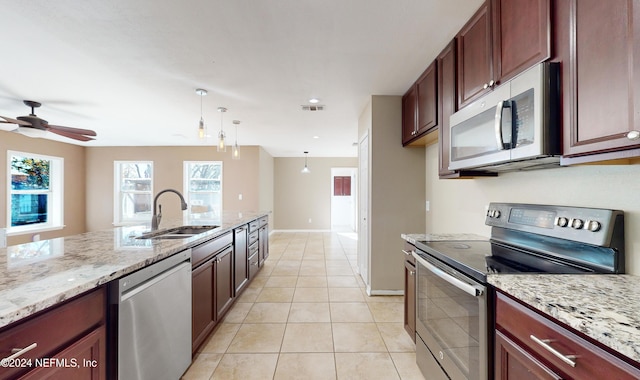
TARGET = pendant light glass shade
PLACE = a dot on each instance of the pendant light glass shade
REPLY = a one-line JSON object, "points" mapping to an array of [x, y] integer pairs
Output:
{"points": [[305, 170], [202, 133], [222, 147], [235, 151]]}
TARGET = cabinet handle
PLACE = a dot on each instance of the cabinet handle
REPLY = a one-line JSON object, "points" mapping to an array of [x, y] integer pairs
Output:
{"points": [[491, 83], [486, 85], [545, 344], [254, 263], [17, 352], [408, 253], [633, 135], [412, 272]]}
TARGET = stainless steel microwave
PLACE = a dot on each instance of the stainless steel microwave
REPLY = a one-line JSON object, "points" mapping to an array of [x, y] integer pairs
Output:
{"points": [[514, 127]]}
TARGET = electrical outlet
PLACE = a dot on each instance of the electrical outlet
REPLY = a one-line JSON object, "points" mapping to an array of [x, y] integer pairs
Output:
{"points": [[309, 220], [3, 237], [427, 206], [240, 196]]}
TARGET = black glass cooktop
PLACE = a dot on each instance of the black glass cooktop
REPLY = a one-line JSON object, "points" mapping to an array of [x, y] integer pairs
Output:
{"points": [[479, 258]]}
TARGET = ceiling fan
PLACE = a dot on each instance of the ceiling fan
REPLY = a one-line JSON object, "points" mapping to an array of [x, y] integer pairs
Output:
{"points": [[26, 123]]}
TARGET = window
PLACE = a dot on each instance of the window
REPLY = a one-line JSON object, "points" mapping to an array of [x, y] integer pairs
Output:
{"points": [[133, 191], [203, 188], [342, 186], [35, 192]]}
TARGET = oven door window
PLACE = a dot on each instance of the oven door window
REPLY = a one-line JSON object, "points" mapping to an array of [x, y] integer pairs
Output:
{"points": [[455, 321]]}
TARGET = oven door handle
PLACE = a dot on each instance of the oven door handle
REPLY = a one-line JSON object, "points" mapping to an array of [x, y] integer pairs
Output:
{"points": [[467, 288]]}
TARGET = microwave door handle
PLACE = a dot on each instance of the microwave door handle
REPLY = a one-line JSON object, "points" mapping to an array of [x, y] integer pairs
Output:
{"points": [[467, 288], [498, 123]]}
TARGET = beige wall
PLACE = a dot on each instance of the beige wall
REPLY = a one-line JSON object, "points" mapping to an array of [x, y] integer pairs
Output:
{"points": [[74, 182], [239, 177], [459, 205], [396, 191], [300, 197]]}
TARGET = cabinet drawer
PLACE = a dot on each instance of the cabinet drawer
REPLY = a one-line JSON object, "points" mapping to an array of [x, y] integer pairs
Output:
{"points": [[201, 252], [254, 262], [53, 330], [253, 237], [254, 225], [591, 361], [263, 221], [407, 250]]}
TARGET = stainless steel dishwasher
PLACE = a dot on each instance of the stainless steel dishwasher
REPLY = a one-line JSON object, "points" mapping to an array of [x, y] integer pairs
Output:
{"points": [[153, 309]]}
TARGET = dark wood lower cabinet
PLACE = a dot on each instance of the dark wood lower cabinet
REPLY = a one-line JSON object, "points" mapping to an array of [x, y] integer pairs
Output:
{"points": [[223, 277], [70, 338], [240, 262], [530, 345], [410, 297], [203, 313]]}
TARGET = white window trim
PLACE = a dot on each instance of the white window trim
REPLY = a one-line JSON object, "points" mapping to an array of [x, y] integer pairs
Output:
{"points": [[117, 217], [55, 210], [185, 184]]}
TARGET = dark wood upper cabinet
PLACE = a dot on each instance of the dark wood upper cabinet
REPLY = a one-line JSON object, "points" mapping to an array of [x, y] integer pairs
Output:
{"points": [[427, 86], [420, 108], [446, 103], [598, 43], [475, 62], [501, 40]]}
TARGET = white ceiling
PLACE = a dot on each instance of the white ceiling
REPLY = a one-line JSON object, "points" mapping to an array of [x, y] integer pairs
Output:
{"points": [[129, 68]]}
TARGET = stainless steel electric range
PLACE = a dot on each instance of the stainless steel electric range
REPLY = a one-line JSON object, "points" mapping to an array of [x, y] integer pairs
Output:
{"points": [[453, 301]]}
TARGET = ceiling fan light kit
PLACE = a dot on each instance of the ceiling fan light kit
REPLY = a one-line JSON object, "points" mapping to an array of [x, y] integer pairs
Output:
{"points": [[33, 126]]}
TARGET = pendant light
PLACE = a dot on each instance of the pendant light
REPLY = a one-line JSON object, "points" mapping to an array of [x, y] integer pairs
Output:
{"points": [[202, 133], [305, 170], [235, 152], [221, 143]]}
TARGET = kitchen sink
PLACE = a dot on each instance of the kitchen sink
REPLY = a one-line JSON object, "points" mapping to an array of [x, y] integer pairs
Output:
{"points": [[182, 232]]}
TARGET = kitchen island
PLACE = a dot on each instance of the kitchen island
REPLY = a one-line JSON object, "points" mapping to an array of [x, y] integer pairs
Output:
{"points": [[35, 276]]}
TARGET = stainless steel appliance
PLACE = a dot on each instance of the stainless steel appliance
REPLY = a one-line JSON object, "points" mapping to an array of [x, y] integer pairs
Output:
{"points": [[153, 310], [453, 301], [514, 127]]}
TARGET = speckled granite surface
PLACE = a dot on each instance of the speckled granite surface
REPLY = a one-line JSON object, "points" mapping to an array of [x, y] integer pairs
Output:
{"points": [[37, 275], [604, 307], [412, 238]]}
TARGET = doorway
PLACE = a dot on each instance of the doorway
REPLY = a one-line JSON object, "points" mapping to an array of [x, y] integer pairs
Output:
{"points": [[343, 199]]}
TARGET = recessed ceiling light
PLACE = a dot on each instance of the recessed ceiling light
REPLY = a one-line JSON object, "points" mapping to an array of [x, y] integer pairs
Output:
{"points": [[316, 137], [314, 100]]}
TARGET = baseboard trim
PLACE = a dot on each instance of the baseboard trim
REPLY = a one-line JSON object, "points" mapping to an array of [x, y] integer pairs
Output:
{"points": [[384, 292], [300, 230]]}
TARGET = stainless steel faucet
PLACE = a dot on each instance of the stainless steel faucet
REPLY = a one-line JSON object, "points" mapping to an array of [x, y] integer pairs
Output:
{"points": [[157, 216]]}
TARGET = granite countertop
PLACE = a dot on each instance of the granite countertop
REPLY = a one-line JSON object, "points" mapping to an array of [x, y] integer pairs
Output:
{"points": [[412, 238], [604, 307], [37, 275]]}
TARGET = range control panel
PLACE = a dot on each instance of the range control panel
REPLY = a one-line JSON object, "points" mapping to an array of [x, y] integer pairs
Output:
{"points": [[587, 225]]}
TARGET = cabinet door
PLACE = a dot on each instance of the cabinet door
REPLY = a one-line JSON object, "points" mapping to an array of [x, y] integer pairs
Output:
{"points": [[264, 244], [410, 299], [516, 363], [446, 103], [426, 88], [223, 282], [83, 360], [521, 36], [599, 47], [240, 263], [203, 317], [409, 115], [475, 62]]}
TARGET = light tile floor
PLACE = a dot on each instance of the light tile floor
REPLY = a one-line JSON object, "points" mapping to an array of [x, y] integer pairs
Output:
{"points": [[307, 316]]}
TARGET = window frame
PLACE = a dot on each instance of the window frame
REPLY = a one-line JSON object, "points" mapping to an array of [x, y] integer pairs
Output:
{"points": [[188, 193], [118, 219], [55, 195]]}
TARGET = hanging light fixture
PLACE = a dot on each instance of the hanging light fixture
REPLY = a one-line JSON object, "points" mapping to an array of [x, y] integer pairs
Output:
{"points": [[221, 144], [202, 133], [306, 168], [235, 152]]}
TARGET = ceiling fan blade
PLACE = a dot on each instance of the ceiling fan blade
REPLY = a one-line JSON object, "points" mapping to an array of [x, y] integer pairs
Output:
{"points": [[70, 135], [78, 131], [15, 121], [8, 128]]}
